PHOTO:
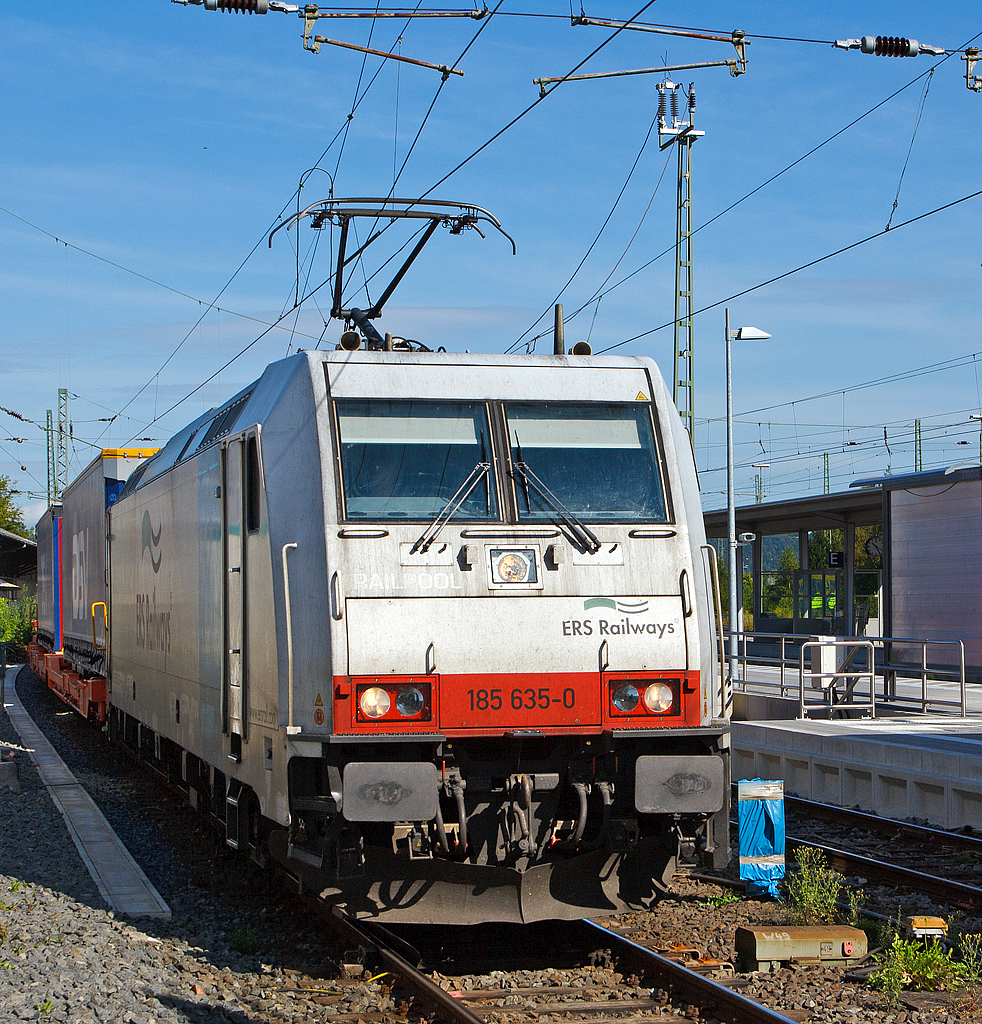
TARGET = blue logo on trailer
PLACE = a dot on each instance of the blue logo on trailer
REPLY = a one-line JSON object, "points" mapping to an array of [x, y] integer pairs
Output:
{"points": [[151, 540]]}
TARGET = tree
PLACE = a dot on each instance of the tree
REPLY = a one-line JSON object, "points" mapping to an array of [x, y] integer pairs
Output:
{"points": [[11, 517]]}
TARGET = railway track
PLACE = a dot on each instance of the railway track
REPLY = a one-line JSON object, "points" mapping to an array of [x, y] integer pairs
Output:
{"points": [[920, 843], [666, 981], [956, 893], [884, 826]]}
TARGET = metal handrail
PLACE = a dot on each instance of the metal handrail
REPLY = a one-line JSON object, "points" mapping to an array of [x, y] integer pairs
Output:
{"points": [[290, 727], [827, 680], [893, 670], [889, 671], [726, 692], [782, 661]]}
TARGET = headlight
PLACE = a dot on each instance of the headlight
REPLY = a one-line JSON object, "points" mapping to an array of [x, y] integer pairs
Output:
{"points": [[658, 698], [374, 702], [513, 567], [409, 701], [625, 697]]}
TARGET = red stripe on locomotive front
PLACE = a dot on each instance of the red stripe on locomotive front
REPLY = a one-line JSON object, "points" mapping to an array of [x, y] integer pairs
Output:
{"points": [[488, 704]]}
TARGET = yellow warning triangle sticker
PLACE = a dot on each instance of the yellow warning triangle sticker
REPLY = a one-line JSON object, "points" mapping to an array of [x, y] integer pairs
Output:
{"points": [[319, 703], [642, 397]]}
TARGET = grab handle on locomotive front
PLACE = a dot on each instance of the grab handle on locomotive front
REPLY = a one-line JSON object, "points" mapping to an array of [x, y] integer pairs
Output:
{"points": [[709, 556], [686, 596], [337, 604], [289, 637]]}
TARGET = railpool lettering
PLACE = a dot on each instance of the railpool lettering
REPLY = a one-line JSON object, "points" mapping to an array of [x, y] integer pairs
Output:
{"points": [[407, 580], [152, 626]]}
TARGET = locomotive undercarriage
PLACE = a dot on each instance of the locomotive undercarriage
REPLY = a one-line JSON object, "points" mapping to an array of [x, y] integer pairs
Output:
{"points": [[523, 829]]}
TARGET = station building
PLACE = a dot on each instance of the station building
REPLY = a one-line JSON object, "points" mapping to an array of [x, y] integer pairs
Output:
{"points": [[917, 573]]}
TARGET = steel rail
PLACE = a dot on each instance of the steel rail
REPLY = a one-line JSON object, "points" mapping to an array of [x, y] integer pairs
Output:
{"points": [[695, 988], [957, 893], [427, 990], [862, 819]]}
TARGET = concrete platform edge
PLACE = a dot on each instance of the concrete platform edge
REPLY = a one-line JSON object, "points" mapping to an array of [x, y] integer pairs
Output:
{"points": [[43, 756], [892, 780]]}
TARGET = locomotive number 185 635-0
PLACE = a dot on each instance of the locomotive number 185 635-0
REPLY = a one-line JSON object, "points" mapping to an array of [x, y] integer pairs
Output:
{"points": [[526, 699]]}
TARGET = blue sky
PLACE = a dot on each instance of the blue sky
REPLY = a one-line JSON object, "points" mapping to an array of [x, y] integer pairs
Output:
{"points": [[167, 140]]}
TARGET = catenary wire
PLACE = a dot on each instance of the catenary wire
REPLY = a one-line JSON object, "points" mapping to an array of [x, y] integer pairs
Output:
{"points": [[599, 292], [242, 351], [797, 270], [548, 92], [596, 239], [780, 173]]}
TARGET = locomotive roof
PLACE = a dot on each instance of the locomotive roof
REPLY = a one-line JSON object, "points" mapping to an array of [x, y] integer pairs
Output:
{"points": [[239, 412]]}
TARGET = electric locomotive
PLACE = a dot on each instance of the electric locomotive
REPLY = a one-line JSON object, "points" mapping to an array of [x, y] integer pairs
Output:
{"points": [[434, 630]]}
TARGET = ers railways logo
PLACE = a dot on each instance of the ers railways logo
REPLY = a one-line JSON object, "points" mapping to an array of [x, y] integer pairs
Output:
{"points": [[151, 542], [626, 622]]}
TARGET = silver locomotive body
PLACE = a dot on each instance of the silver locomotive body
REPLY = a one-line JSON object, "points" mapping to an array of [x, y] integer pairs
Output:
{"points": [[435, 630]]}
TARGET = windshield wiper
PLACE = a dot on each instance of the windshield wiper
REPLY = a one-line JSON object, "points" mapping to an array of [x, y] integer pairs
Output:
{"points": [[430, 534], [579, 529]]}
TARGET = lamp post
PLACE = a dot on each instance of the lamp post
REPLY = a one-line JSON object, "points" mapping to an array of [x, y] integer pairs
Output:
{"points": [[740, 334]]}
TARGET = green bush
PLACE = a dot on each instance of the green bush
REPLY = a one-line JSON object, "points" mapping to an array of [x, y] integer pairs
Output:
{"points": [[17, 620], [17, 625]]}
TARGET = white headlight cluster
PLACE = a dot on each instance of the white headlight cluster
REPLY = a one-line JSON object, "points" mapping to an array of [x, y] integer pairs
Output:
{"points": [[627, 698], [375, 701]]}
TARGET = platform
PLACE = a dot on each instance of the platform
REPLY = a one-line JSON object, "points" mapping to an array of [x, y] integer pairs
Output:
{"points": [[121, 881], [912, 766]]}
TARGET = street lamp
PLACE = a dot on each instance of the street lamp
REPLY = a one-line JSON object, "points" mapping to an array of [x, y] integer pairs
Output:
{"points": [[740, 334]]}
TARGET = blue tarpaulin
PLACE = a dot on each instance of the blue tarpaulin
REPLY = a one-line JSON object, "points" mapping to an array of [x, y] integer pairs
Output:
{"points": [[760, 812]]}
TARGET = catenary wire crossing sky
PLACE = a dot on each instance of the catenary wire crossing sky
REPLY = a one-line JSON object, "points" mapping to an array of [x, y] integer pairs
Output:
{"points": [[149, 149]]}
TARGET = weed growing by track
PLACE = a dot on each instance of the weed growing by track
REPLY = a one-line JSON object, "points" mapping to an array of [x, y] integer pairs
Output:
{"points": [[918, 965], [813, 889], [722, 899]]}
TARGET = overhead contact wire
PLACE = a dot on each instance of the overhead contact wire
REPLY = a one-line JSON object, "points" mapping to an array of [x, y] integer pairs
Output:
{"points": [[789, 167], [804, 266], [586, 255], [497, 135]]}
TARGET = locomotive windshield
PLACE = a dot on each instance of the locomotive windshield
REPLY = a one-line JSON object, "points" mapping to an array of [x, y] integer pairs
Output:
{"points": [[407, 459], [598, 459]]}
